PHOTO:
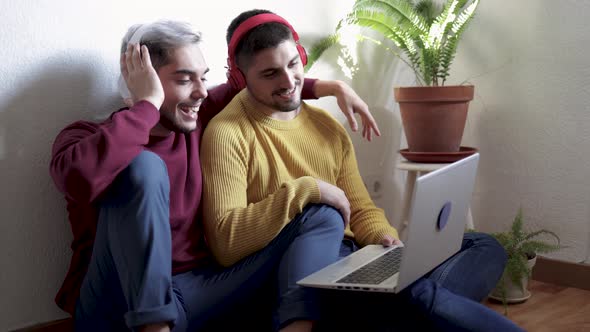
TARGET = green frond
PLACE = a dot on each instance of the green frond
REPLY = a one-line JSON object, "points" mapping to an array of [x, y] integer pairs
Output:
{"points": [[518, 245], [447, 56], [425, 66], [448, 25], [427, 9], [401, 12], [412, 61], [503, 238], [457, 28], [400, 38], [426, 32], [516, 268], [537, 247], [429, 65], [464, 17], [380, 22], [438, 28], [516, 229], [531, 235], [316, 51]]}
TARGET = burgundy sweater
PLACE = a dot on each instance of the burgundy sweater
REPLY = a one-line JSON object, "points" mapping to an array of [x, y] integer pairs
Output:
{"points": [[87, 157]]}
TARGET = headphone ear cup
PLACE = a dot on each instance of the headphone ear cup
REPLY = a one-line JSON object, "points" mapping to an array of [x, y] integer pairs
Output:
{"points": [[231, 80], [302, 54], [236, 79], [240, 79]]}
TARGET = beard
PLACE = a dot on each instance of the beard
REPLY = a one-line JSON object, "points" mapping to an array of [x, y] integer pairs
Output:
{"points": [[170, 121], [291, 106], [282, 106]]}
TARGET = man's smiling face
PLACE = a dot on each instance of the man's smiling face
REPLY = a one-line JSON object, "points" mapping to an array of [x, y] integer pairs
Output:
{"points": [[183, 80], [274, 78]]}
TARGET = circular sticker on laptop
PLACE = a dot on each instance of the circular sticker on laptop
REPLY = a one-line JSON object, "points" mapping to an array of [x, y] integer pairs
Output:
{"points": [[443, 216]]}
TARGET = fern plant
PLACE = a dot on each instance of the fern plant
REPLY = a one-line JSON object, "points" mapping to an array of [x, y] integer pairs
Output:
{"points": [[521, 246], [427, 34]]}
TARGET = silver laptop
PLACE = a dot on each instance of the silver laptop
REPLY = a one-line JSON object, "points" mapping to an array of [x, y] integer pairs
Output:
{"points": [[436, 225]]}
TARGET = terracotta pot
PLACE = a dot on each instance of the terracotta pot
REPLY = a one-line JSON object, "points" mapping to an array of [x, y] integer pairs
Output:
{"points": [[434, 116]]}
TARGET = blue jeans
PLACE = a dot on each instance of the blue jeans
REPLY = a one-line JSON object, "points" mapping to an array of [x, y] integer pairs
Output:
{"points": [[446, 299], [129, 282]]}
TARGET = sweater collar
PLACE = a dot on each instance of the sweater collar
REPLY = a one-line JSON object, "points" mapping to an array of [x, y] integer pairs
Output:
{"points": [[266, 120]]}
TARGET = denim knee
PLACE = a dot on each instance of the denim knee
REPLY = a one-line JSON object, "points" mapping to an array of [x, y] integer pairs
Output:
{"points": [[495, 253], [326, 217], [140, 192], [422, 294], [447, 311], [145, 173]]}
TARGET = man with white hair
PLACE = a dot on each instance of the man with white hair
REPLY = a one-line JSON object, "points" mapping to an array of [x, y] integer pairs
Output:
{"points": [[133, 188]]}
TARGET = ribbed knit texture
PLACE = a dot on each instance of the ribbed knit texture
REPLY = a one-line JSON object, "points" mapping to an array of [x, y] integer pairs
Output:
{"points": [[87, 157], [259, 173]]}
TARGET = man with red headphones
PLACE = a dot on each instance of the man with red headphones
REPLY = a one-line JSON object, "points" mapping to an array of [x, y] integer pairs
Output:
{"points": [[275, 166], [133, 188]]}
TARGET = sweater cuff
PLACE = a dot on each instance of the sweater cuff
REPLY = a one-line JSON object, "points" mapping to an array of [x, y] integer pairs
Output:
{"points": [[314, 191], [307, 91], [144, 104], [377, 236], [147, 110]]}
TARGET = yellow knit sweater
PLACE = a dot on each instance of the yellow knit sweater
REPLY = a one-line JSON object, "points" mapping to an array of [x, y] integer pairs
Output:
{"points": [[259, 173]]}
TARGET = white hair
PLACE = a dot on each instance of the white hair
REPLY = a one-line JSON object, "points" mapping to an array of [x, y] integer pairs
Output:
{"points": [[161, 38]]}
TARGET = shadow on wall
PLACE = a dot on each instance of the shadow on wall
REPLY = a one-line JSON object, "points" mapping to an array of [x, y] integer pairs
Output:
{"points": [[34, 231]]}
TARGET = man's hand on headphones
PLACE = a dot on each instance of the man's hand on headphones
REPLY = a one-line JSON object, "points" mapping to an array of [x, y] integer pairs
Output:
{"points": [[349, 103], [140, 76]]}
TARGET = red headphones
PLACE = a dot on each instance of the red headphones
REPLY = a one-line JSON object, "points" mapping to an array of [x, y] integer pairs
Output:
{"points": [[234, 76]]}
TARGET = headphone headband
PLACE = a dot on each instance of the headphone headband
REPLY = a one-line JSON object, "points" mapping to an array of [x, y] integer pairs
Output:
{"points": [[134, 39], [253, 22], [234, 75]]}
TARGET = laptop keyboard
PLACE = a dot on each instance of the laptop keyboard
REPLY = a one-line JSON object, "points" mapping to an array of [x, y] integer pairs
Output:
{"points": [[377, 271]]}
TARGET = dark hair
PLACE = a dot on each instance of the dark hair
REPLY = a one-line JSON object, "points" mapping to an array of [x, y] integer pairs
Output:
{"points": [[267, 35]]}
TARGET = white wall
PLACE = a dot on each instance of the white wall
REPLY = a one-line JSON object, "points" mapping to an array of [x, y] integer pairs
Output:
{"points": [[530, 118], [59, 64]]}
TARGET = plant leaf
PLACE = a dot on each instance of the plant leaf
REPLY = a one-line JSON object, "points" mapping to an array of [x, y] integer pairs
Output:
{"points": [[428, 40], [537, 247], [399, 12], [320, 47]]}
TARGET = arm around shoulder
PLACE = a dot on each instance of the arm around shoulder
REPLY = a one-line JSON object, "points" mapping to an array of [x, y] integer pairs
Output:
{"points": [[349, 103]]}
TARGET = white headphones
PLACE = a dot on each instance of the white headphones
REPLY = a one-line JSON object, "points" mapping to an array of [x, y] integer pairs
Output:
{"points": [[135, 38]]}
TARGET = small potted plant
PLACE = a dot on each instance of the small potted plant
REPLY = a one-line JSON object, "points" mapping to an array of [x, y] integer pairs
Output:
{"points": [[522, 248], [433, 115]]}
